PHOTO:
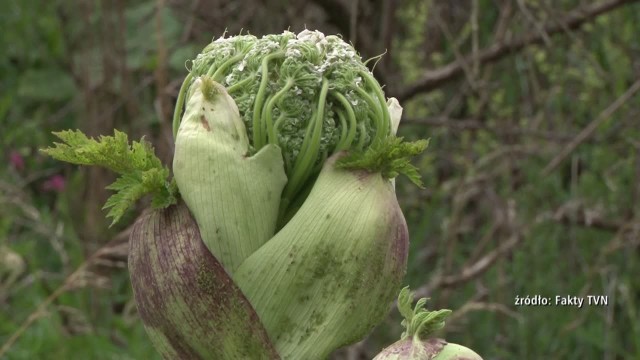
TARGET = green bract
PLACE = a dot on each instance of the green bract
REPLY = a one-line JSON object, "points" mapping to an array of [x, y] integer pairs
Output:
{"points": [[309, 94], [233, 196], [342, 256], [176, 280]]}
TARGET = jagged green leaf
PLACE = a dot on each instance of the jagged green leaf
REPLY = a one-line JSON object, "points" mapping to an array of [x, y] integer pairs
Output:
{"points": [[419, 322], [141, 170], [128, 189], [390, 157], [405, 299]]}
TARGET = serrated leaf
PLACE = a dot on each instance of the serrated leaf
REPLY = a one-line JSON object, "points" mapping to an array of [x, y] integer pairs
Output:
{"points": [[431, 322], [37, 85], [390, 157], [405, 299], [141, 171], [129, 188], [419, 322]]}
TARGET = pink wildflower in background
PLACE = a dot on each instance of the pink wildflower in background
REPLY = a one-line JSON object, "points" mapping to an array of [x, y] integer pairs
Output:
{"points": [[55, 183], [16, 160]]}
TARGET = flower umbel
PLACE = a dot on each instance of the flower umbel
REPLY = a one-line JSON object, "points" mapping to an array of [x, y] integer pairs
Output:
{"points": [[309, 94]]}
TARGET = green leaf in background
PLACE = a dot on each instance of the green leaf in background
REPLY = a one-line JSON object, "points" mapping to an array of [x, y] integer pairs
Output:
{"points": [[46, 85], [178, 58]]}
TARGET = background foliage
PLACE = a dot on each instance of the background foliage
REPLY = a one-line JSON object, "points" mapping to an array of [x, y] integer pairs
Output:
{"points": [[533, 172]]}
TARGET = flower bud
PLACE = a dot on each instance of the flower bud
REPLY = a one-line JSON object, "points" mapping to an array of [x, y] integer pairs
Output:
{"points": [[430, 349], [419, 324]]}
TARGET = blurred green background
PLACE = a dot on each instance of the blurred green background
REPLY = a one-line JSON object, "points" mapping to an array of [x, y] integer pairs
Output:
{"points": [[532, 175]]}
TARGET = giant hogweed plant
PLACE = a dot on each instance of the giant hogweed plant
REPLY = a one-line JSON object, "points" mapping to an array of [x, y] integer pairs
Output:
{"points": [[279, 235]]}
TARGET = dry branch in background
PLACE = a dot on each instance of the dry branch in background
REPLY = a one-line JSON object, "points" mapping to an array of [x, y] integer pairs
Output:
{"points": [[476, 125], [591, 128], [573, 20]]}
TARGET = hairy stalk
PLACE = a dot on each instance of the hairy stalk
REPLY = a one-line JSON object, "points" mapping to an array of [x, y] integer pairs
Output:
{"points": [[310, 147], [362, 137], [377, 113], [220, 70], [271, 129], [351, 116], [373, 85], [239, 85], [342, 141], [177, 113], [258, 140]]}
